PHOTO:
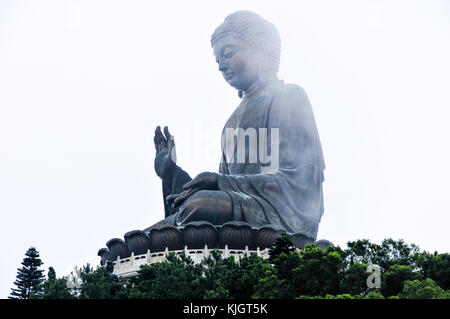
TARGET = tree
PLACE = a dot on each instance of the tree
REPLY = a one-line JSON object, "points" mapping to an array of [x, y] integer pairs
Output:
{"points": [[54, 288], [422, 289], [394, 278], [341, 296], [243, 279], [100, 284], [362, 251], [435, 266], [226, 278], [282, 244], [374, 295], [354, 279], [176, 278], [217, 274], [272, 287], [277, 281], [312, 273], [390, 252], [29, 277], [397, 252], [397, 260], [319, 271]]}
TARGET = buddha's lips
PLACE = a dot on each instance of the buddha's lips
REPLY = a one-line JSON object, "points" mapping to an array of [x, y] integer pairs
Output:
{"points": [[228, 76]]}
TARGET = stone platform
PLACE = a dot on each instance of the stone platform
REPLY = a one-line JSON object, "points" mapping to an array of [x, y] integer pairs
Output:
{"points": [[147, 246], [128, 267]]}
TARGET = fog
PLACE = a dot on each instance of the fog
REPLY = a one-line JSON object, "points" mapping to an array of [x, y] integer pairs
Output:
{"points": [[83, 84]]}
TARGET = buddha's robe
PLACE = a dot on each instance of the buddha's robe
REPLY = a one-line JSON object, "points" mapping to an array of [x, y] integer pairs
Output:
{"points": [[289, 195]]}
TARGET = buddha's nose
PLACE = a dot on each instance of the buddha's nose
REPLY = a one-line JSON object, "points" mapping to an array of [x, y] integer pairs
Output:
{"points": [[222, 66]]}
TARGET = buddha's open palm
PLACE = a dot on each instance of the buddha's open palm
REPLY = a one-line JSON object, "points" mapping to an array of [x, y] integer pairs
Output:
{"points": [[165, 158]]}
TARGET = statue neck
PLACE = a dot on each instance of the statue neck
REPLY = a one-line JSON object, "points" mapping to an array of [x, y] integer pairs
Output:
{"points": [[257, 87]]}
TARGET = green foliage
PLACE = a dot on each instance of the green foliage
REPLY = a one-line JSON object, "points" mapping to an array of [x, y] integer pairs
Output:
{"points": [[272, 287], [389, 253], [341, 296], [176, 278], [435, 266], [218, 292], [309, 297], [217, 275], [285, 264], [423, 289], [100, 284], [354, 279], [54, 288], [278, 280], [397, 253], [394, 279], [281, 245], [313, 273], [240, 279], [29, 277], [374, 294], [362, 251], [284, 259], [398, 262], [319, 271], [328, 296]]}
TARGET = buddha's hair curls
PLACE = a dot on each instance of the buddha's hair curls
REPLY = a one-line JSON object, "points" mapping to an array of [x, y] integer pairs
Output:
{"points": [[256, 31]]}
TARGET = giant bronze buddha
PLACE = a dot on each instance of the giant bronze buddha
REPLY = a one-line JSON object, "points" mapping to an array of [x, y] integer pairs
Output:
{"points": [[271, 170]]}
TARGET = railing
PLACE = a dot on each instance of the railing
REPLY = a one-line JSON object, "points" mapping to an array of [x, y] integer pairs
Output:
{"points": [[128, 267]]}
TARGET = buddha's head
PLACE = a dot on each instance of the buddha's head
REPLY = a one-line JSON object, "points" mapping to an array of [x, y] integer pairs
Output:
{"points": [[247, 49]]}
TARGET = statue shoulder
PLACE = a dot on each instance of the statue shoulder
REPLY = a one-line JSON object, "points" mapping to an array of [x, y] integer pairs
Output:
{"points": [[290, 106], [291, 96], [292, 91]]}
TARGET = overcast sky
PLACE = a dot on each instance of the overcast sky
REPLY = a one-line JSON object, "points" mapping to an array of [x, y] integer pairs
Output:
{"points": [[83, 84]]}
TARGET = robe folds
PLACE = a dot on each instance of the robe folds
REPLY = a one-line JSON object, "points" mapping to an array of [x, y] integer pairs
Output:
{"points": [[283, 190], [286, 192]]}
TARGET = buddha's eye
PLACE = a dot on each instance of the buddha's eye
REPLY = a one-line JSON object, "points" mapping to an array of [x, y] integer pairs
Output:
{"points": [[229, 54]]}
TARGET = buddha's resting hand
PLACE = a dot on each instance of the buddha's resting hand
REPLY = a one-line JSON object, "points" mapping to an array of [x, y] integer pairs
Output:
{"points": [[203, 181], [165, 158]]}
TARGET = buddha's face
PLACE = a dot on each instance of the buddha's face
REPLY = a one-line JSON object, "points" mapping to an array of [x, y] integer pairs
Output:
{"points": [[238, 62]]}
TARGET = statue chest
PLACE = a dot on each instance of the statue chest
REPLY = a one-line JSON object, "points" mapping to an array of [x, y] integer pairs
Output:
{"points": [[250, 114], [242, 136]]}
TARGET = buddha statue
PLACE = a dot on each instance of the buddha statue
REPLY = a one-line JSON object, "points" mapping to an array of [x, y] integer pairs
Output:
{"points": [[271, 170]]}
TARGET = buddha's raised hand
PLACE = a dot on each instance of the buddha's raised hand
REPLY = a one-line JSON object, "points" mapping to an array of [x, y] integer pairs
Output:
{"points": [[165, 158]]}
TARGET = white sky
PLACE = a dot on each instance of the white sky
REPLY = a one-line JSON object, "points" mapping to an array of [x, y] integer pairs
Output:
{"points": [[83, 84]]}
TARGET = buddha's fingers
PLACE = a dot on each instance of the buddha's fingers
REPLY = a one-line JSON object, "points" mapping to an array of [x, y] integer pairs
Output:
{"points": [[191, 184], [167, 133], [184, 195], [160, 136], [171, 198], [155, 140], [171, 143]]}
